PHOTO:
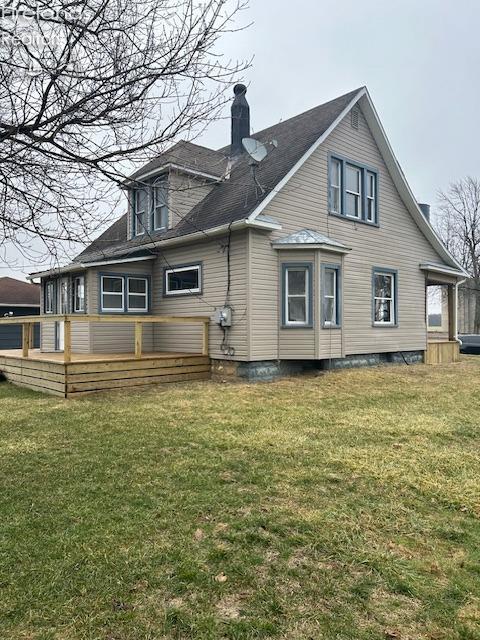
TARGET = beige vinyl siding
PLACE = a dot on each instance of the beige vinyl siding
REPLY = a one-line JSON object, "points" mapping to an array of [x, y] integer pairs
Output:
{"points": [[47, 336], [397, 244], [212, 255], [114, 337], [184, 193]]}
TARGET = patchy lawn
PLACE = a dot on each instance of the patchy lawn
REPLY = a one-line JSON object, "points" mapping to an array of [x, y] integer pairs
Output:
{"points": [[343, 506]]}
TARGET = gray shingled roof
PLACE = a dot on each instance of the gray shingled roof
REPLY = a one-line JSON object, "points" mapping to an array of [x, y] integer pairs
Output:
{"points": [[233, 199], [189, 156], [13, 291]]}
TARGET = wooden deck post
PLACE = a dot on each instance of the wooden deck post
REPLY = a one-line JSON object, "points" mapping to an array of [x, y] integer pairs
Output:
{"points": [[25, 339], [206, 327], [67, 341], [138, 339], [452, 312]]}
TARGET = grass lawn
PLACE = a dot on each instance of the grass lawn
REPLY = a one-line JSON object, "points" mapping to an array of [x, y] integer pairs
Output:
{"points": [[343, 506]]}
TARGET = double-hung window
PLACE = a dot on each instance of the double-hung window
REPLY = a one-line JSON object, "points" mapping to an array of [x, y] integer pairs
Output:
{"points": [[79, 294], [112, 293], [140, 211], [297, 298], [49, 296], [137, 294], [385, 297], [183, 280], [353, 190], [160, 206], [330, 295]]}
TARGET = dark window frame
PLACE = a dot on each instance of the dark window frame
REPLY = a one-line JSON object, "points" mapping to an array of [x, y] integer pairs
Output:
{"points": [[308, 324], [324, 267], [394, 273], [124, 277], [364, 170]]}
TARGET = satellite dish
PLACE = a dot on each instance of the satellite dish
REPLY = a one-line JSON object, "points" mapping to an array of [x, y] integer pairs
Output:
{"points": [[255, 149]]}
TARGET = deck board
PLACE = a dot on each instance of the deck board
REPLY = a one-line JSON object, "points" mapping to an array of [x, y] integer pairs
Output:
{"points": [[90, 373]]}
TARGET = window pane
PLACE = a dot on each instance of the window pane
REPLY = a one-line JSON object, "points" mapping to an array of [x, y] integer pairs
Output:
{"points": [[160, 218], [112, 301], [335, 199], [383, 286], [137, 302], [383, 310], [330, 310], [137, 285], [371, 185], [371, 209], [183, 280], [297, 310], [141, 204], [335, 173], [353, 179], [329, 282], [352, 205], [113, 284], [296, 281]]}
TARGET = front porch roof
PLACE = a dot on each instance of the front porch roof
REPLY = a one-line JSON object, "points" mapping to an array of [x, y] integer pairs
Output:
{"points": [[435, 268], [309, 239]]}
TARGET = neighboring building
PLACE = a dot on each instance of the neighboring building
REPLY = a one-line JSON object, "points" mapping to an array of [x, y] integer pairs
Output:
{"points": [[17, 298], [469, 307], [320, 253]]}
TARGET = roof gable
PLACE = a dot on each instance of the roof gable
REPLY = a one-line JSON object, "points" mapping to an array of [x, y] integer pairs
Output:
{"points": [[17, 292]]}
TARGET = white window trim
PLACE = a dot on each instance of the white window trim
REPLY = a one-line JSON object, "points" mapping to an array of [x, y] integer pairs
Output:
{"points": [[334, 322], [393, 320], [297, 323], [371, 198], [75, 308], [354, 193], [49, 285], [145, 295], [112, 293], [183, 292]]}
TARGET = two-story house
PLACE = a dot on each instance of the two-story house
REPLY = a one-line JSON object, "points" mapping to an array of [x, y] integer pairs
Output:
{"points": [[316, 255]]}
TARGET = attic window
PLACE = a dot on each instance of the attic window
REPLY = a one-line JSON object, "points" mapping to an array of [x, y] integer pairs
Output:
{"points": [[354, 118]]}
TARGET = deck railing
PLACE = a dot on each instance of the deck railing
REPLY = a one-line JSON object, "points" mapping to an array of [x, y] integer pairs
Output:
{"points": [[28, 323]]}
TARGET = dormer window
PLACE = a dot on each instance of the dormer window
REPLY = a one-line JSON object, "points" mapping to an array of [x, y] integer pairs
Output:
{"points": [[140, 211], [160, 206]]}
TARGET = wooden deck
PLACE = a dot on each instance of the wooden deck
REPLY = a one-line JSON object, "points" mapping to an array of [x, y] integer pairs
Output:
{"points": [[90, 373], [441, 351]]}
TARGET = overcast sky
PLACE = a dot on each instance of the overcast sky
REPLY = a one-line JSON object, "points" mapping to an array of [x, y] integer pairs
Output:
{"points": [[419, 59]]}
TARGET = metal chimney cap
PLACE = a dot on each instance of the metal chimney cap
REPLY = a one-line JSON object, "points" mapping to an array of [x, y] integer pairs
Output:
{"points": [[238, 89]]}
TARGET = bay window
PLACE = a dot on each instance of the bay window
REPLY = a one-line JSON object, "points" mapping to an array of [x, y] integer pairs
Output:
{"points": [[140, 211], [160, 206], [353, 191], [49, 296], [297, 295], [331, 295]]}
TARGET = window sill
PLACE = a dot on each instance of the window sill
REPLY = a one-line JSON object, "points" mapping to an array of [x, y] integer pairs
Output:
{"points": [[331, 326], [352, 219], [296, 326], [384, 325]]}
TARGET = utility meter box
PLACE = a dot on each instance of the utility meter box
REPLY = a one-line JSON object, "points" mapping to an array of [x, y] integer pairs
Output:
{"points": [[223, 316]]}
